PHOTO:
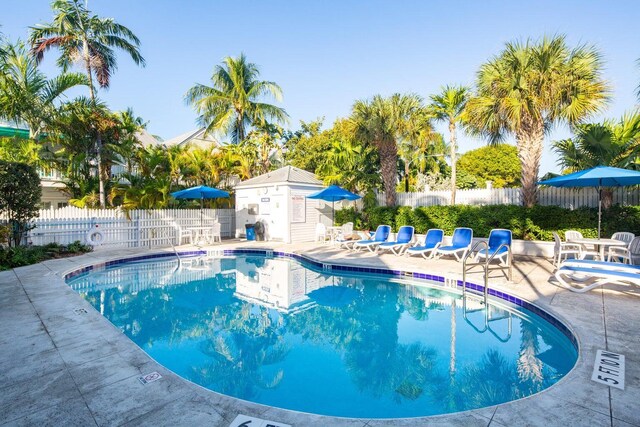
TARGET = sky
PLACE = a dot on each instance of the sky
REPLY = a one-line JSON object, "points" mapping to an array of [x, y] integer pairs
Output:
{"points": [[327, 54]]}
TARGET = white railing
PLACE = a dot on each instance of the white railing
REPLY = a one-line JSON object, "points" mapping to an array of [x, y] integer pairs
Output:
{"points": [[141, 228], [564, 197]]}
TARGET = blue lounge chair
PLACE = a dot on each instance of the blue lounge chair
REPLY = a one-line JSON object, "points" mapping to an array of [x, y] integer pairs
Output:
{"points": [[382, 234], [432, 241], [460, 243], [403, 240], [499, 245]]}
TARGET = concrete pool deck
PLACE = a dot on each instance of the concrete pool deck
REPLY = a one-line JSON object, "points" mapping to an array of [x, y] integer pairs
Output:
{"points": [[61, 365]]}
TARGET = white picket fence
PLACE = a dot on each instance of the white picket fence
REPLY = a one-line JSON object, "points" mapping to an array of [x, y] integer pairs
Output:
{"points": [[158, 227], [570, 198]]}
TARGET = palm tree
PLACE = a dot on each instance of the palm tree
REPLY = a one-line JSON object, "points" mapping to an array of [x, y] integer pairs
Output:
{"points": [[233, 102], [602, 144], [382, 122], [421, 146], [26, 95], [530, 87], [448, 106], [88, 40]]}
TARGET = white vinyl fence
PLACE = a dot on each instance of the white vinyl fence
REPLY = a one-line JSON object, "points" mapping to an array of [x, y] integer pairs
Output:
{"points": [[158, 227], [564, 197]]}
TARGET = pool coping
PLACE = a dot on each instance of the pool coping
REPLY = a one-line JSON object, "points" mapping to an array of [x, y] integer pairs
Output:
{"points": [[481, 416]]}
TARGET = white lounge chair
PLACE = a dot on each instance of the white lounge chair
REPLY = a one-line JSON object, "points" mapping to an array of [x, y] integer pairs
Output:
{"points": [[403, 240], [460, 243], [598, 277], [432, 240], [600, 265], [382, 234]]}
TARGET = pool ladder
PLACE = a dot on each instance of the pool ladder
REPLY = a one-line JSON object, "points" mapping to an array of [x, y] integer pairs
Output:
{"points": [[486, 265], [488, 318]]}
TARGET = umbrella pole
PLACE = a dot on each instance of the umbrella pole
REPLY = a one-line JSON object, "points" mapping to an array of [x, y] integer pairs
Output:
{"points": [[333, 213], [201, 209], [599, 208]]}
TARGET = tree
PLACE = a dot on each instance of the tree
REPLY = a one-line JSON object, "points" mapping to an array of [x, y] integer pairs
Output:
{"points": [[448, 106], [496, 163], [602, 144], [381, 122], [528, 88], [89, 40], [20, 194], [233, 103], [26, 95]]}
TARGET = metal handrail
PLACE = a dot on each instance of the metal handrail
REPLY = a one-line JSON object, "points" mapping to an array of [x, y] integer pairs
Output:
{"points": [[486, 265]]}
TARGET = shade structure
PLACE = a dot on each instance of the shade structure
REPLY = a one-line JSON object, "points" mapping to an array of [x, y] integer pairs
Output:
{"points": [[333, 193], [200, 192], [600, 176]]}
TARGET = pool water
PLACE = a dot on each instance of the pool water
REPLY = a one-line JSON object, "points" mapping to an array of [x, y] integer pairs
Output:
{"points": [[284, 334]]}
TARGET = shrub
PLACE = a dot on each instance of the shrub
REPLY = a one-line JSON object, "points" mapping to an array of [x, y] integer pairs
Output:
{"points": [[26, 255], [536, 223]]}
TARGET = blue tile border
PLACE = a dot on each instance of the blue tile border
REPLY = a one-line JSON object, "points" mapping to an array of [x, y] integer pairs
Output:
{"points": [[345, 268]]}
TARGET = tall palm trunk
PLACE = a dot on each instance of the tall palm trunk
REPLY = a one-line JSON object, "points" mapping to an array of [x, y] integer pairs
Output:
{"points": [[452, 143], [92, 95], [388, 163], [530, 139]]}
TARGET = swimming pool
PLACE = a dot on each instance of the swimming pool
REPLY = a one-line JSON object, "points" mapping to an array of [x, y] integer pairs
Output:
{"points": [[286, 333]]}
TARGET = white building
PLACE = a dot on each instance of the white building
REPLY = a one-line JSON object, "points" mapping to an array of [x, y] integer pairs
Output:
{"points": [[279, 200]]}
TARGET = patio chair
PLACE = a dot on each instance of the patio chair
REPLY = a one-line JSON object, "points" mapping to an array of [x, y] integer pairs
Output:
{"points": [[381, 235], [344, 237], [499, 245], [561, 249], [629, 255], [596, 276], [623, 236], [321, 232], [403, 240], [432, 240], [460, 244], [185, 234], [585, 250], [215, 233]]}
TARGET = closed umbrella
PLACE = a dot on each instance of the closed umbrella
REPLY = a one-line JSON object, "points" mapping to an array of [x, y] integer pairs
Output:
{"points": [[600, 176], [200, 192], [333, 194]]}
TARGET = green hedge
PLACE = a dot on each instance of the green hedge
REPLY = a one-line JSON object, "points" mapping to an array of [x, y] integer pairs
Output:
{"points": [[27, 255], [535, 223]]}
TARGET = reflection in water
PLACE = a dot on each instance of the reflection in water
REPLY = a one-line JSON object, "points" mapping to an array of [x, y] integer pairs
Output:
{"points": [[278, 333]]}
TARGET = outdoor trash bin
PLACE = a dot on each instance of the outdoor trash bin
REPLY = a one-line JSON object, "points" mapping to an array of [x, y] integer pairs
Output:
{"points": [[251, 231]]}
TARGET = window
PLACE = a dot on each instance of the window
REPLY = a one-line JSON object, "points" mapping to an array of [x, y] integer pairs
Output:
{"points": [[252, 209]]}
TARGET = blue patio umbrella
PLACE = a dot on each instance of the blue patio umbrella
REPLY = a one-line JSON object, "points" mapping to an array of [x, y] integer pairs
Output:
{"points": [[600, 176], [333, 193], [200, 192]]}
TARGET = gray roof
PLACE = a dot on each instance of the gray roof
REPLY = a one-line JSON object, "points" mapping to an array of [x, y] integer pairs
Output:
{"points": [[283, 175], [197, 137]]}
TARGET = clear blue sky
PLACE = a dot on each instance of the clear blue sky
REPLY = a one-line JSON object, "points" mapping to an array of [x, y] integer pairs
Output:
{"points": [[326, 54]]}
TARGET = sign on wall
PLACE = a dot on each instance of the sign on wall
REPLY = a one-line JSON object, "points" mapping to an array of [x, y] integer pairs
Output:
{"points": [[298, 208]]}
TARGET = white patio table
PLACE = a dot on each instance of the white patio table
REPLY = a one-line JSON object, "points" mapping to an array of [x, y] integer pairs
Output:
{"points": [[599, 244], [199, 234]]}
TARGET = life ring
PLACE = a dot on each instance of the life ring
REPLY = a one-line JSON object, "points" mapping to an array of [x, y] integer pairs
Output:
{"points": [[94, 237]]}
